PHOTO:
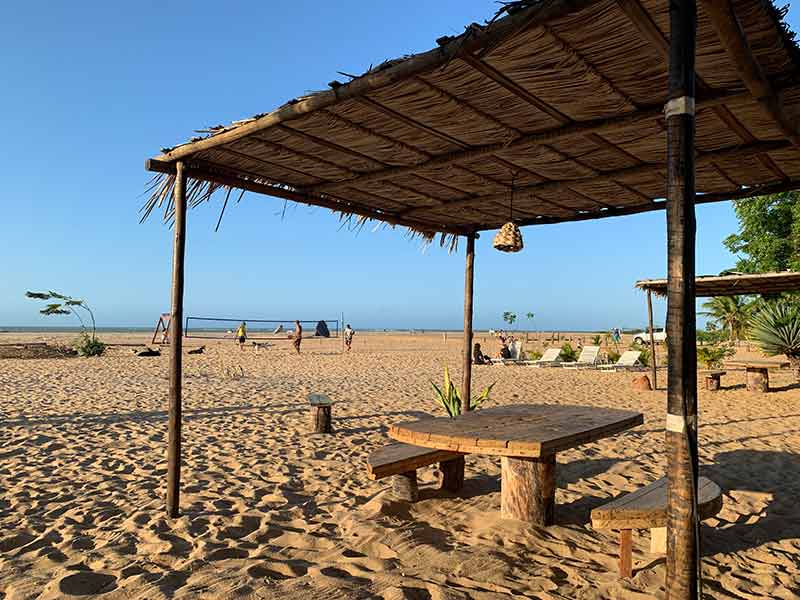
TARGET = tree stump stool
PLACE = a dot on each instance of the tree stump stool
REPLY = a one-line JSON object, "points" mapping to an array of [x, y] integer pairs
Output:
{"points": [[712, 379], [757, 380], [642, 383], [320, 413]]}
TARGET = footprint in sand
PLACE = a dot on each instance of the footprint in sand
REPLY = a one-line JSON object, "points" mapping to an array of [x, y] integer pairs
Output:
{"points": [[87, 583], [276, 570]]}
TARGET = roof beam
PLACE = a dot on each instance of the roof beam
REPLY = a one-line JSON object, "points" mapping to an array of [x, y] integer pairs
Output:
{"points": [[202, 174], [393, 114], [734, 41], [773, 188], [735, 125], [599, 126], [610, 176], [512, 86]]}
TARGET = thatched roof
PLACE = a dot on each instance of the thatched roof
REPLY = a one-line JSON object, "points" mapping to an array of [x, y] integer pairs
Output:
{"points": [[733, 285], [562, 99]]}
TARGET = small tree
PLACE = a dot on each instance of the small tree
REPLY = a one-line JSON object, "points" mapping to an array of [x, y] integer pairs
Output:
{"points": [[67, 305], [509, 317]]}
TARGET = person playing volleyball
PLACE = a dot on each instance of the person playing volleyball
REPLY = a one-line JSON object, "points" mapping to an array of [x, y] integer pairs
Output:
{"points": [[241, 335]]}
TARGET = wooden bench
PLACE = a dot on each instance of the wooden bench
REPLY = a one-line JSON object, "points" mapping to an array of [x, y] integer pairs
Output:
{"points": [[712, 379], [646, 508], [403, 460]]}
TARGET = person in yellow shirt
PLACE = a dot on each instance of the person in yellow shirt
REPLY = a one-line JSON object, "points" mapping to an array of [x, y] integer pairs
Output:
{"points": [[241, 335]]}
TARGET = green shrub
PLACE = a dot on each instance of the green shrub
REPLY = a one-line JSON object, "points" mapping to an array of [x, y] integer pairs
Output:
{"points": [[87, 345], [534, 355], [712, 356], [450, 398], [596, 340], [568, 353], [613, 356]]}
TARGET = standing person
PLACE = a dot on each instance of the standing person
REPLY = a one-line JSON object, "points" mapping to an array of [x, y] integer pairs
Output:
{"points": [[349, 332], [241, 335], [298, 336]]}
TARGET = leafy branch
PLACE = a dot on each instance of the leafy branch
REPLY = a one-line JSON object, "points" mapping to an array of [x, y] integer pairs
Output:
{"points": [[67, 305]]}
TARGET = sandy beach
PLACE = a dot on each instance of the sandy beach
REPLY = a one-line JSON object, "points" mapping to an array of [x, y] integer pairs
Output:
{"points": [[271, 511]]}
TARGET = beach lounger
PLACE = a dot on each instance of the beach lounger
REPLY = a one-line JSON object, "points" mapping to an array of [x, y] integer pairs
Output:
{"points": [[550, 358], [516, 355], [587, 359], [628, 360]]}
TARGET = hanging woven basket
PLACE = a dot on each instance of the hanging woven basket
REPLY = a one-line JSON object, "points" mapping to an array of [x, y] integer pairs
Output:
{"points": [[508, 239]]}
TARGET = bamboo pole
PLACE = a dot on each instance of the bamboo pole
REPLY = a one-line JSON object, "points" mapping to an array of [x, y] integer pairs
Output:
{"points": [[653, 365], [683, 573], [469, 277], [175, 346]]}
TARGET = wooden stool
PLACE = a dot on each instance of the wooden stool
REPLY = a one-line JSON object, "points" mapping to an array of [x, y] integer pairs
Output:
{"points": [[712, 379], [320, 413], [757, 379], [646, 508]]}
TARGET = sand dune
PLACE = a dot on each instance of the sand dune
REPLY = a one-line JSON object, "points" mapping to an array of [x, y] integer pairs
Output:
{"points": [[270, 511]]}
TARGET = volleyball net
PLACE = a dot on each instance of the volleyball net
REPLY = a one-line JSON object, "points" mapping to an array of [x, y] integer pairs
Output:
{"points": [[212, 328]]}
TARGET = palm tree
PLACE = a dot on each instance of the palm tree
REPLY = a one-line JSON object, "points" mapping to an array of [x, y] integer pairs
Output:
{"points": [[731, 313], [776, 330]]}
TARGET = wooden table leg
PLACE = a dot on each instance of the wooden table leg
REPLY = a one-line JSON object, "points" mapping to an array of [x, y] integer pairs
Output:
{"points": [[757, 379], [452, 474], [625, 551], [528, 489]]}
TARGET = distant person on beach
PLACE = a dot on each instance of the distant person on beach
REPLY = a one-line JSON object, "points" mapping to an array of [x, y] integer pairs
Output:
{"points": [[349, 332], [504, 351], [241, 335], [298, 336], [478, 357]]}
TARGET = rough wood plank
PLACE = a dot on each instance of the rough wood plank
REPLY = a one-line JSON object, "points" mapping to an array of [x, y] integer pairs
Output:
{"points": [[647, 507], [400, 458]]}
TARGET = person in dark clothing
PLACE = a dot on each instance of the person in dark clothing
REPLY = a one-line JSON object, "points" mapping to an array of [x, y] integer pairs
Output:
{"points": [[478, 357]]}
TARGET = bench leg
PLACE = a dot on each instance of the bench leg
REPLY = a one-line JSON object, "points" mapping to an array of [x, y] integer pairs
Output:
{"points": [[658, 540], [625, 549], [452, 474], [405, 486], [528, 489]]}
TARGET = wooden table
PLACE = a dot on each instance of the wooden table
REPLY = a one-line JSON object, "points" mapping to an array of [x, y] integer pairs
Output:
{"points": [[527, 437], [757, 372]]}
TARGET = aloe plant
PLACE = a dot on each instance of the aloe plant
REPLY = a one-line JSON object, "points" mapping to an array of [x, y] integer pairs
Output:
{"points": [[450, 398], [776, 330]]}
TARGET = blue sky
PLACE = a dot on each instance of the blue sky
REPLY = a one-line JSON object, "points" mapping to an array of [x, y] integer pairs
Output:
{"points": [[92, 89]]}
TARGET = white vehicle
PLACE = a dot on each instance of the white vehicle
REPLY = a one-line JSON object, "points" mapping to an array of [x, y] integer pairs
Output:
{"points": [[643, 337]]}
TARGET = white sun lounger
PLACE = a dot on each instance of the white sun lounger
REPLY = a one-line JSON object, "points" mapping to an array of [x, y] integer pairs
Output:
{"points": [[550, 358], [628, 360], [587, 358]]}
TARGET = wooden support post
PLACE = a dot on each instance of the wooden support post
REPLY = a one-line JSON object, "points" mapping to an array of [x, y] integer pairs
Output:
{"points": [[683, 534], [452, 474], [528, 489], [405, 487], [469, 277], [625, 553], [653, 363], [176, 346]]}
